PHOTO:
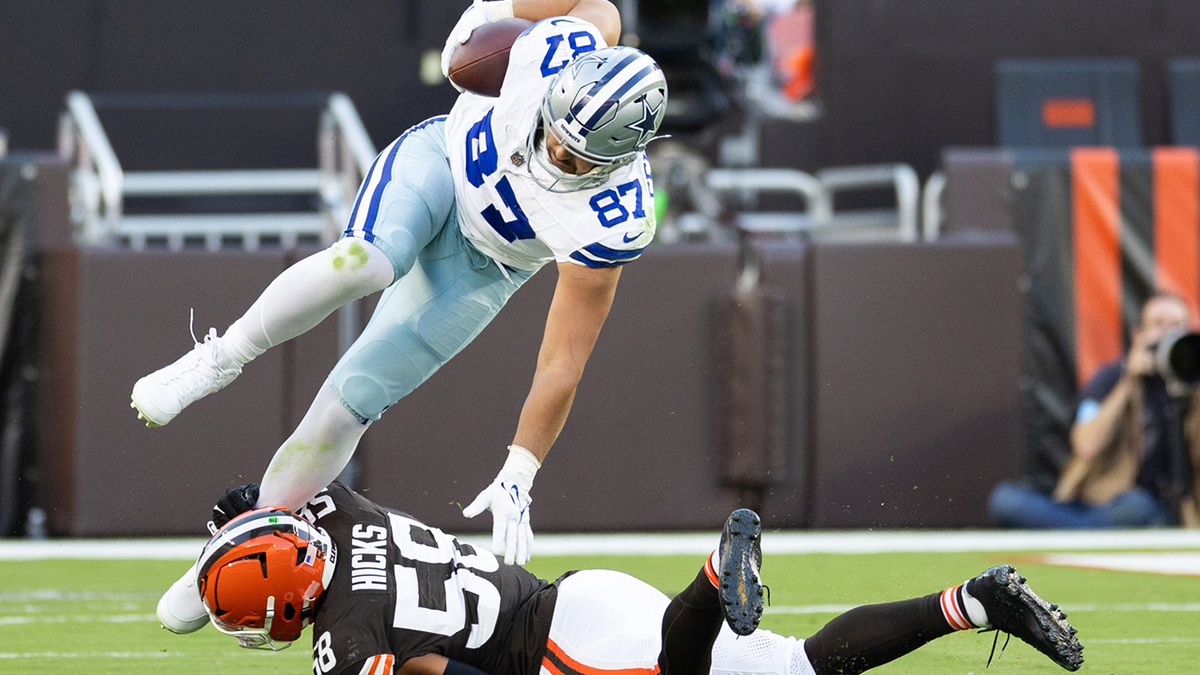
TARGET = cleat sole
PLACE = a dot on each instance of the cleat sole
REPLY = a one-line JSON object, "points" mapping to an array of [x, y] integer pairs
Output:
{"points": [[741, 588], [143, 417]]}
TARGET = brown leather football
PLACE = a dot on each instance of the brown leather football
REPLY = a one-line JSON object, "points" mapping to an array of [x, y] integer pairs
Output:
{"points": [[478, 65]]}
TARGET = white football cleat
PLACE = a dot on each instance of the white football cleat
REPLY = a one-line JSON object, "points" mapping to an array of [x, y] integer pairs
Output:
{"points": [[180, 609], [163, 394]]}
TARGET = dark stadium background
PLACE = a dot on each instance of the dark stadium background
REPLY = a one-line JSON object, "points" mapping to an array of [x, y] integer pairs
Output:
{"points": [[895, 400]]}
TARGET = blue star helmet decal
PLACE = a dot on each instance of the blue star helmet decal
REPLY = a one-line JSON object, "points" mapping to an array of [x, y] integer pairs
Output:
{"points": [[645, 126]]}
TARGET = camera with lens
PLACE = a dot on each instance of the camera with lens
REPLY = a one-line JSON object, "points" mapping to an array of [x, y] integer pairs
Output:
{"points": [[1177, 359]]}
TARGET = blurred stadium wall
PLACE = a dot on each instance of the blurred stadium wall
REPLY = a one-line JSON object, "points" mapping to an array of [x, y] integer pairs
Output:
{"points": [[897, 80]]}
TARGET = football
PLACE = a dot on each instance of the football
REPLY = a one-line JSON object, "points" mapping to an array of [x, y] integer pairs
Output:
{"points": [[478, 65]]}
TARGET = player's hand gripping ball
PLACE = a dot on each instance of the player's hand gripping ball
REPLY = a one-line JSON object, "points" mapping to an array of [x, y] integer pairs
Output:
{"points": [[478, 65]]}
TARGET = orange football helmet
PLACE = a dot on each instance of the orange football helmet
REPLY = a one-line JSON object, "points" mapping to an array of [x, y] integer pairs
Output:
{"points": [[260, 574]]}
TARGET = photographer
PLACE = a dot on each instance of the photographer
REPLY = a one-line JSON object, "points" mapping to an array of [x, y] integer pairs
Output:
{"points": [[1133, 457]]}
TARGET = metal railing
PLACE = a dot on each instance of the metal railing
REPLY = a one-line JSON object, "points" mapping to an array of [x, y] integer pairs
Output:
{"points": [[97, 183], [931, 205], [819, 215], [817, 207], [99, 187], [900, 177]]}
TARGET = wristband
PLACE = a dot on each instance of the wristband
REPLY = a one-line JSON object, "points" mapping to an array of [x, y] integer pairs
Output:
{"points": [[521, 462], [497, 9]]}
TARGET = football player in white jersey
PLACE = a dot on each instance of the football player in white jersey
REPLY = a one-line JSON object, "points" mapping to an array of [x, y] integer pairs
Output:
{"points": [[453, 217], [386, 593]]}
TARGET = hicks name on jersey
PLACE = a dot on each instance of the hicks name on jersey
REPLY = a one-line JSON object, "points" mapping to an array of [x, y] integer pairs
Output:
{"points": [[368, 558]]}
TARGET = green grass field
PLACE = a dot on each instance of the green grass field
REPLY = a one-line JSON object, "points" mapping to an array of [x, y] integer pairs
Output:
{"points": [[66, 616]]}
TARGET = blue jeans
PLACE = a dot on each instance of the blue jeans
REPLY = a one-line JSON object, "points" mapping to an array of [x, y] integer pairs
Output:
{"points": [[1013, 505]]}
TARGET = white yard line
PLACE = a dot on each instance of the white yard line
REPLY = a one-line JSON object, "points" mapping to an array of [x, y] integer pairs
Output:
{"points": [[48, 595], [1157, 563], [75, 618], [1141, 640]]}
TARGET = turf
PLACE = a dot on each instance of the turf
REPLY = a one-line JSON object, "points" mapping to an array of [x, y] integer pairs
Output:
{"points": [[60, 616]]}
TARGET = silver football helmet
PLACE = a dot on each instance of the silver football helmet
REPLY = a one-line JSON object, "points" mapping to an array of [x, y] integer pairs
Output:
{"points": [[604, 107]]}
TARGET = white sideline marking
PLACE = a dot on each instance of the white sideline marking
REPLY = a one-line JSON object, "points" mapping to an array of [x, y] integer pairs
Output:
{"points": [[86, 655], [675, 543], [808, 609], [1132, 607], [101, 549]]}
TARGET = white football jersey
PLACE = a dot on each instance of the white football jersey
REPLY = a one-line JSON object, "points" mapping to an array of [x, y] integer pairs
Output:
{"points": [[501, 210]]}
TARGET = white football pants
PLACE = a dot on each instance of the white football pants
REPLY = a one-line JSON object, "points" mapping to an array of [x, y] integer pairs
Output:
{"points": [[609, 621]]}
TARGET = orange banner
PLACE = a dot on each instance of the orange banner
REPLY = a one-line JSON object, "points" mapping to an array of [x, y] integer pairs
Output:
{"points": [[1177, 223], [1096, 224]]}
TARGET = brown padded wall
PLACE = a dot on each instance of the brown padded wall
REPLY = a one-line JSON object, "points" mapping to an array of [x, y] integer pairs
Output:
{"points": [[903, 372], [53, 218], [57, 411], [979, 191], [784, 269], [636, 452], [915, 366], [110, 317]]}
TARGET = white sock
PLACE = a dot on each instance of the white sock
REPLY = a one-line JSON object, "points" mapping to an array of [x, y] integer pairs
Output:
{"points": [[313, 455], [237, 347], [975, 611], [962, 611], [304, 294], [181, 609]]}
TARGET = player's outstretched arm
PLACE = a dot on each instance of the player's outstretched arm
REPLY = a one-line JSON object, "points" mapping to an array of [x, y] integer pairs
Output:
{"points": [[582, 299]]}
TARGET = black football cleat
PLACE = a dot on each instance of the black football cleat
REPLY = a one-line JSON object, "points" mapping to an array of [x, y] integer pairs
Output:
{"points": [[740, 559], [1015, 609]]}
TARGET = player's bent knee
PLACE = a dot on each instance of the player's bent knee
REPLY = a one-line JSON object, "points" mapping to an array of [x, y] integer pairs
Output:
{"points": [[374, 375], [363, 397], [339, 422], [362, 262]]}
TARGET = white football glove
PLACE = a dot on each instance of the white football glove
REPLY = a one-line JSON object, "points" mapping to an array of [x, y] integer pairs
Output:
{"points": [[479, 13], [508, 499]]}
